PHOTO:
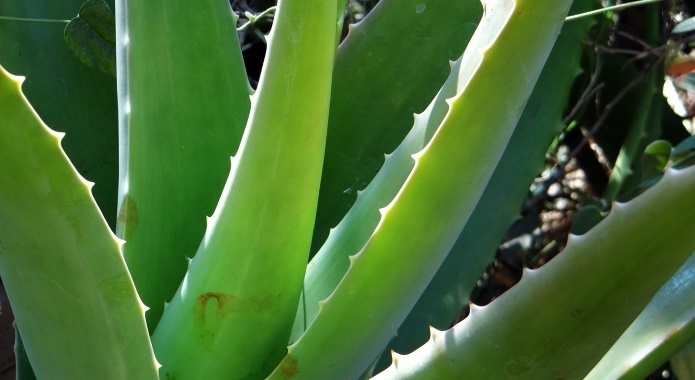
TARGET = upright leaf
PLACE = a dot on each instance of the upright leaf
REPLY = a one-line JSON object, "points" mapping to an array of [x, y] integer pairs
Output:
{"points": [[419, 227], [331, 262], [231, 317], [74, 303], [82, 103], [183, 102], [389, 67], [523, 159]]}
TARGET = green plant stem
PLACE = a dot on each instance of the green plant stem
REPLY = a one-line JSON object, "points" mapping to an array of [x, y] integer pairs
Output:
{"points": [[22, 19], [253, 18], [611, 8]]}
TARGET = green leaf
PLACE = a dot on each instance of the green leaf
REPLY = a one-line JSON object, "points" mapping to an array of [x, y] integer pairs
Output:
{"points": [[523, 159], [644, 120], [586, 219], [433, 205], [376, 91], [683, 154], [232, 316], [387, 103], [684, 26], [659, 332], [561, 319], [683, 363], [644, 127], [82, 103], [183, 103], [22, 365], [74, 302], [656, 157], [91, 36]]}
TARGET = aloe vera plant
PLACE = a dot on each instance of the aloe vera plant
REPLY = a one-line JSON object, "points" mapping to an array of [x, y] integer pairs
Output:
{"points": [[225, 193]]}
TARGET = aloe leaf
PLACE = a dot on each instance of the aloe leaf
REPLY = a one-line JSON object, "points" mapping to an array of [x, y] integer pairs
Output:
{"points": [[683, 363], [82, 103], [661, 330], [183, 101], [331, 262], [541, 331], [23, 368], [92, 36], [386, 110], [329, 265], [432, 202], [377, 90], [644, 129], [231, 317], [74, 303], [523, 159], [645, 124]]}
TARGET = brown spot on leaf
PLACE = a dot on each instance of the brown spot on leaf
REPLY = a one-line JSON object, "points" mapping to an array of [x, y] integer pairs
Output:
{"points": [[127, 217], [289, 366], [219, 299], [226, 304], [673, 333], [213, 308]]}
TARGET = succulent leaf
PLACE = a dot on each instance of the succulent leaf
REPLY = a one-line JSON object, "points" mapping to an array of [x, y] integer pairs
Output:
{"points": [[581, 314], [183, 103], [232, 316], [450, 198], [81, 316]]}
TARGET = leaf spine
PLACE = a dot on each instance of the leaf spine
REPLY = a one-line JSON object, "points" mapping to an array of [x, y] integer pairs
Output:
{"points": [[435, 334], [144, 308], [528, 272], [473, 308], [395, 357]]}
